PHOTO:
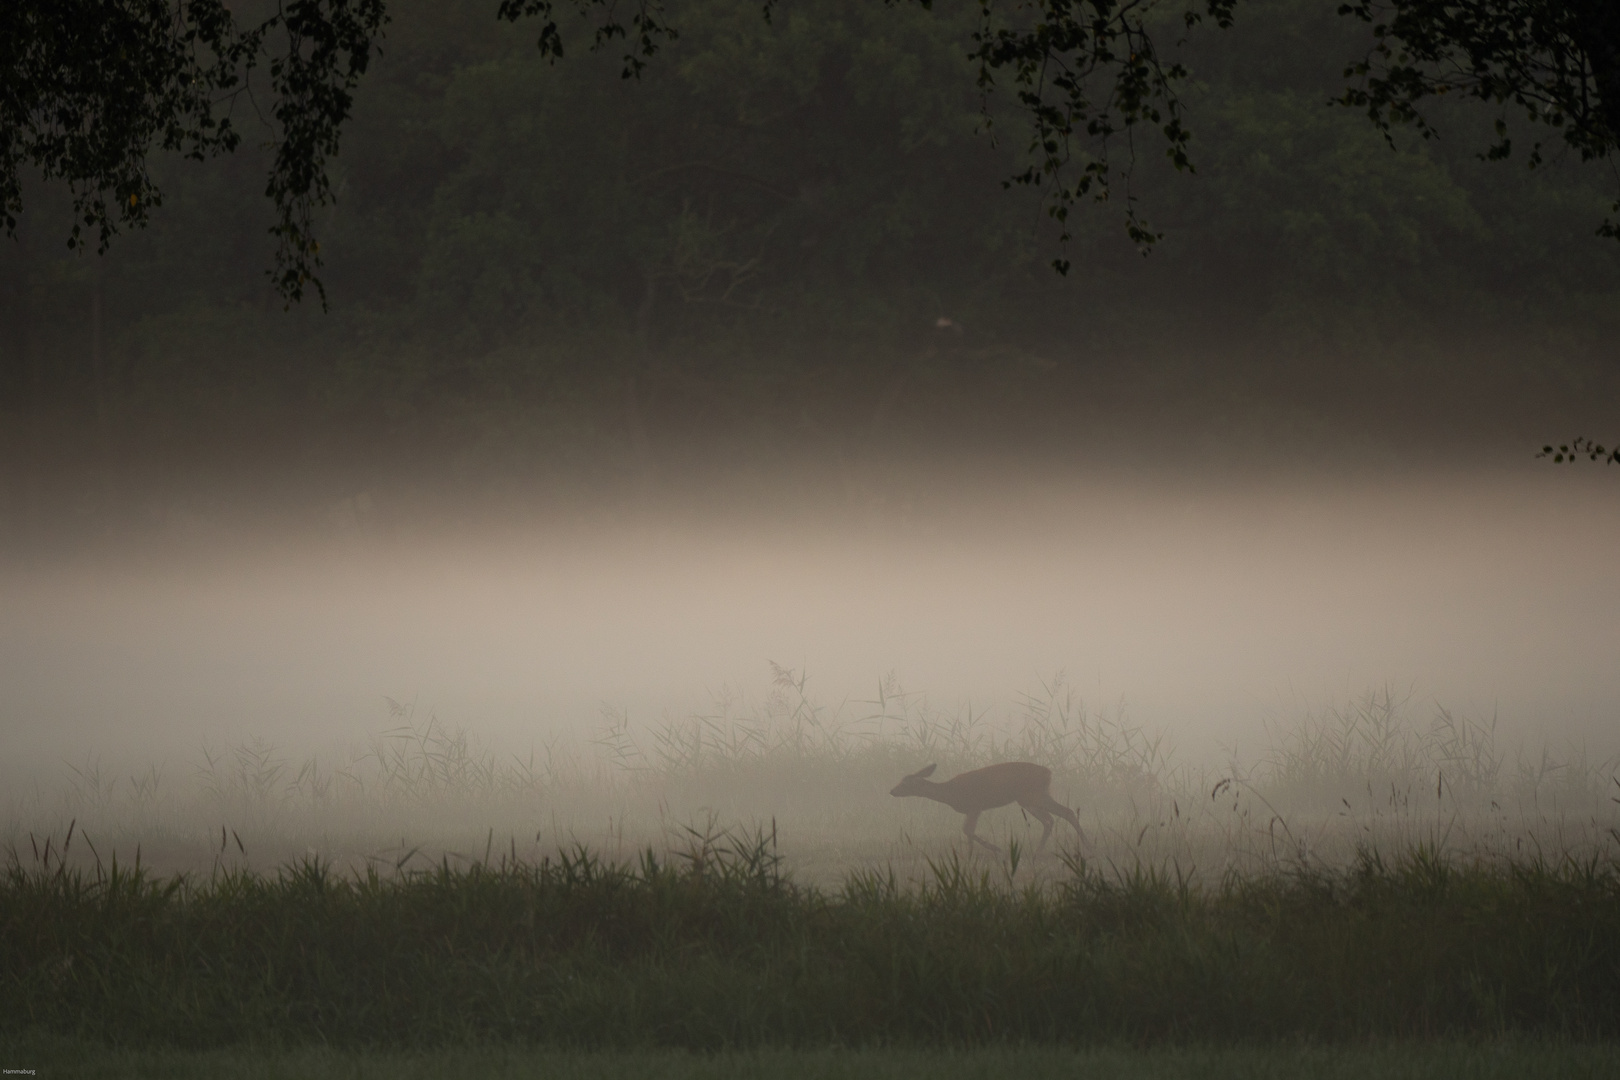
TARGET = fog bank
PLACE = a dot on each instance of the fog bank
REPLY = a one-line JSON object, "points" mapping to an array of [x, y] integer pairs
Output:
{"points": [[1208, 609]]}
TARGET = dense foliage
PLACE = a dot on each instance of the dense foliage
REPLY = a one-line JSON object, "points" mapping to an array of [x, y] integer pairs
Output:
{"points": [[1555, 61], [757, 239], [90, 89]]}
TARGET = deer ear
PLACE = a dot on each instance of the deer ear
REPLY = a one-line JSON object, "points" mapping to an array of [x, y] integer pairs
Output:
{"points": [[925, 772]]}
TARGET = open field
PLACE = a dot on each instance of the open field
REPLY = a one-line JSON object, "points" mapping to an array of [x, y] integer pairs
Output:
{"points": [[741, 880], [720, 555], [1376, 772]]}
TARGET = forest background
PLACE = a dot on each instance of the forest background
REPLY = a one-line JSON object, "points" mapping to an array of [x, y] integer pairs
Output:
{"points": [[792, 242]]}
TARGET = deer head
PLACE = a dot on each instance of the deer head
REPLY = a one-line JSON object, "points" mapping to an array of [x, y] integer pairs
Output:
{"points": [[913, 784]]}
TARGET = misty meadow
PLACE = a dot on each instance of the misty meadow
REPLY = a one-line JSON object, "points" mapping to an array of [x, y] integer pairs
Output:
{"points": [[512, 515]]}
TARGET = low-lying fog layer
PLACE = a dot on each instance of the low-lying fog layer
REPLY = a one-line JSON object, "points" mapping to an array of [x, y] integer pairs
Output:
{"points": [[1348, 660], [1207, 609]]}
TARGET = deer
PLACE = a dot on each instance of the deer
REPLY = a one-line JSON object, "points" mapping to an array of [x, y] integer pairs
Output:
{"points": [[972, 793]]}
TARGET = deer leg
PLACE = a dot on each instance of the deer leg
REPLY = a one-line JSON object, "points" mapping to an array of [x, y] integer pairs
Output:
{"points": [[1046, 823], [970, 825], [1074, 819], [1071, 817], [1051, 804]]}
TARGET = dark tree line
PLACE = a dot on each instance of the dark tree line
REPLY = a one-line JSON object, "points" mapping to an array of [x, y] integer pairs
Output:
{"points": [[753, 242], [91, 88]]}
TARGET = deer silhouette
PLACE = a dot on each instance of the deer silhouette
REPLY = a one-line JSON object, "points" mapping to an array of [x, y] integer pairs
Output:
{"points": [[972, 793]]}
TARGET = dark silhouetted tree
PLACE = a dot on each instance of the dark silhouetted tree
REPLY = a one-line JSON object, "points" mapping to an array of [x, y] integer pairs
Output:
{"points": [[90, 88]]}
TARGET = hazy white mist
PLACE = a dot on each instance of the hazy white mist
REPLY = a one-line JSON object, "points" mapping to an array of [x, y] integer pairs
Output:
{"points": [[1208, 607]]}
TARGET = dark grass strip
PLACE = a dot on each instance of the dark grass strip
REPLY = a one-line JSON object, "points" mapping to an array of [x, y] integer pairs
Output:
{"points": [[1489, 1060], [718, 949]]}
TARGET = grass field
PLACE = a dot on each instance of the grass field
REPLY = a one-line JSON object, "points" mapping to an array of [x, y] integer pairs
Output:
{"points": [[1373, 896], [1368, 772], [1394, 1061], [715, 947]]}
